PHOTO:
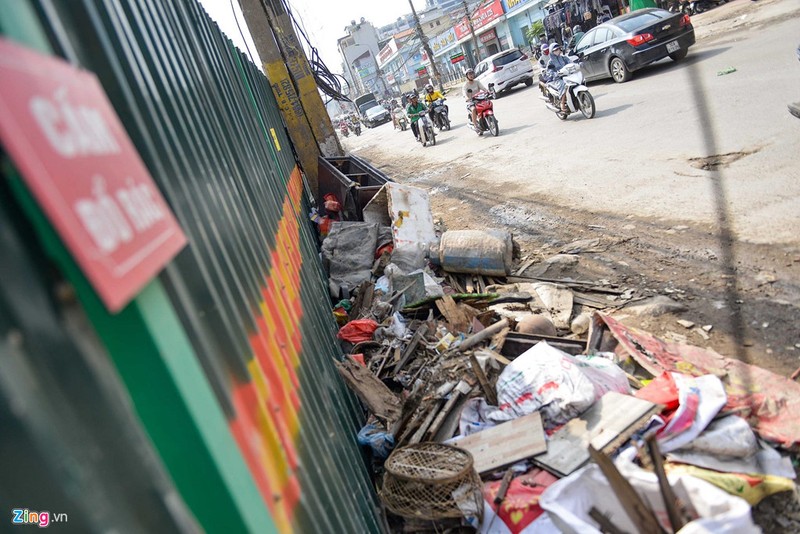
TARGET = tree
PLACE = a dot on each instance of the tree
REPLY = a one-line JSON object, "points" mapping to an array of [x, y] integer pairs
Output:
{"points": [[534, 31]]}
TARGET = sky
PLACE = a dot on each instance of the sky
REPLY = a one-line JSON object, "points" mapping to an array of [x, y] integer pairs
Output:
{"points": [[323, 21]]}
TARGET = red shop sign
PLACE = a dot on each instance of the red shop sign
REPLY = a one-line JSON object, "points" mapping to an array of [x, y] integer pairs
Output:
{"points": [[488, 36], [488, 12], [58, 126]]}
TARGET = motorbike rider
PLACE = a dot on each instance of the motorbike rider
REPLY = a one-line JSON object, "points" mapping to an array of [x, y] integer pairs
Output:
{"points": [[471, 87], [397, 112], [557, 62], [414, 109], [544, 59], [577, 33], [431, 96]]}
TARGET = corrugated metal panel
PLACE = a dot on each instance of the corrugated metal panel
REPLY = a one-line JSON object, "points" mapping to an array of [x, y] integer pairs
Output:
{"points": [[249, 289]]}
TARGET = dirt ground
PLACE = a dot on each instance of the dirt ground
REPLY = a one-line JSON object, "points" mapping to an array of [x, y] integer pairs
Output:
{"points": [[750, 303]]}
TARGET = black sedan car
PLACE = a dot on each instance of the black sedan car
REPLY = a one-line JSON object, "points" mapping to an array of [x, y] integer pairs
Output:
{"points": [[627, 43]]}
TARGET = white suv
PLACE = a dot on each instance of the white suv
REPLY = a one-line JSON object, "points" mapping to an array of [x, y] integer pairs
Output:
{"points": [[505, 70]]}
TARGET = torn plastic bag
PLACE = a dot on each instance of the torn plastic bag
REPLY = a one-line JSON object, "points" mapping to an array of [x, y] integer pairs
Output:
{"points": [[569, 501], [701, 399], [376, 438], [558, 385], [475, 416]]}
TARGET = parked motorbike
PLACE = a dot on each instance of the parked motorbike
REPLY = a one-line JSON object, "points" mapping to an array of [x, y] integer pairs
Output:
{"points": [[578, 96], [441, 114], [486, 118]]}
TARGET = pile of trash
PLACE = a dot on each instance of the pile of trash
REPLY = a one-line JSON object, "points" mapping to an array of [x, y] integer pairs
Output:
{"points": [[570, 420]]}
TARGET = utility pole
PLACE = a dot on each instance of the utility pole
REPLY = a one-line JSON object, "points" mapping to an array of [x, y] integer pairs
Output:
{"points": [[425, 44], [472, 32], [293, 84]]}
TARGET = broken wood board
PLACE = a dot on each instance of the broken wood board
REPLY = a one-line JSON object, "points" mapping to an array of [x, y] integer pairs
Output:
{"points": [[379, 399], [605, 426], [506, 443], [454, 314]]}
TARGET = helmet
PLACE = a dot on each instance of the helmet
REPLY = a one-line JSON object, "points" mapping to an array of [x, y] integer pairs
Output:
{"points": [[470, 71], [544, 48], [554, 47], [429, 88], [576, 29], [413, 96]]}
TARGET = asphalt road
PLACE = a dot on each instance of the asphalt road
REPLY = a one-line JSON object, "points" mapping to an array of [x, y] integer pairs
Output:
{"points": [[644, 152]]}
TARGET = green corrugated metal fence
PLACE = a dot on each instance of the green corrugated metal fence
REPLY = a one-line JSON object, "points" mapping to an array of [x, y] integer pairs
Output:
{"points": [[227, 357]]}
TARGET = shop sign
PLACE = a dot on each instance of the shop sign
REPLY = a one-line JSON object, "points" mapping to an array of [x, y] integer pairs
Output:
{"points": [[488, 36], [443, 40], [483, 16], [510, 5], [59, 128], [456, 58], [387, 52], [422, 71]]}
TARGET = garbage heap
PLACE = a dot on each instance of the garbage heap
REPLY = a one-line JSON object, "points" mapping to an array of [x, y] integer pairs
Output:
{"points": [[497, 403]]}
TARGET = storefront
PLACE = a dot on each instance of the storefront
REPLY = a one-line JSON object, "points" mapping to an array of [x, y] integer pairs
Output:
{"points": [[448, 53], [520, 15], [562, 16], [489, 31]]}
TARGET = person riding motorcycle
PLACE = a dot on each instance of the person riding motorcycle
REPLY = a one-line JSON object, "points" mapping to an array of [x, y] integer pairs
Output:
{"points": [[431, 96], [557, 62], [414, 109], [544, 59], [397, 114], [471, 87], [577, 33]]}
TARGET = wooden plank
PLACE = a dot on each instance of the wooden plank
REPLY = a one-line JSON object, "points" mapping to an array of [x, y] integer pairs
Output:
{"points": [[606, 425], [469, 285], [462, 388], [412, 346], [434, 411], [499, 339], [379, 399], [502, 360], [481, 283], [524, 267], [594, 302], [633, 505], [450, 424], [455, 284], [675, 509], [488, 390], [506, 443]]}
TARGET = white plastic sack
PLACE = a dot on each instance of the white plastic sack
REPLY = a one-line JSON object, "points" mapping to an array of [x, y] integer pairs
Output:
{"points": [[569, 500], [558, 385]]}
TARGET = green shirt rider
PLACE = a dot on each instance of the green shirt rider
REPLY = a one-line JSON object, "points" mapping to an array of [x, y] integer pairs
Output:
{"points": [[414, 110]]}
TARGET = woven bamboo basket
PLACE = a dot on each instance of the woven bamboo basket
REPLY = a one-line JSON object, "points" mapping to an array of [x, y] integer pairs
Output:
{"points": [[432, 481]]}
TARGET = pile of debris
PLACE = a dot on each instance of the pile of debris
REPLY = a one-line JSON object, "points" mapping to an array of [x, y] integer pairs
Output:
{"points": [[557, 405]]}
